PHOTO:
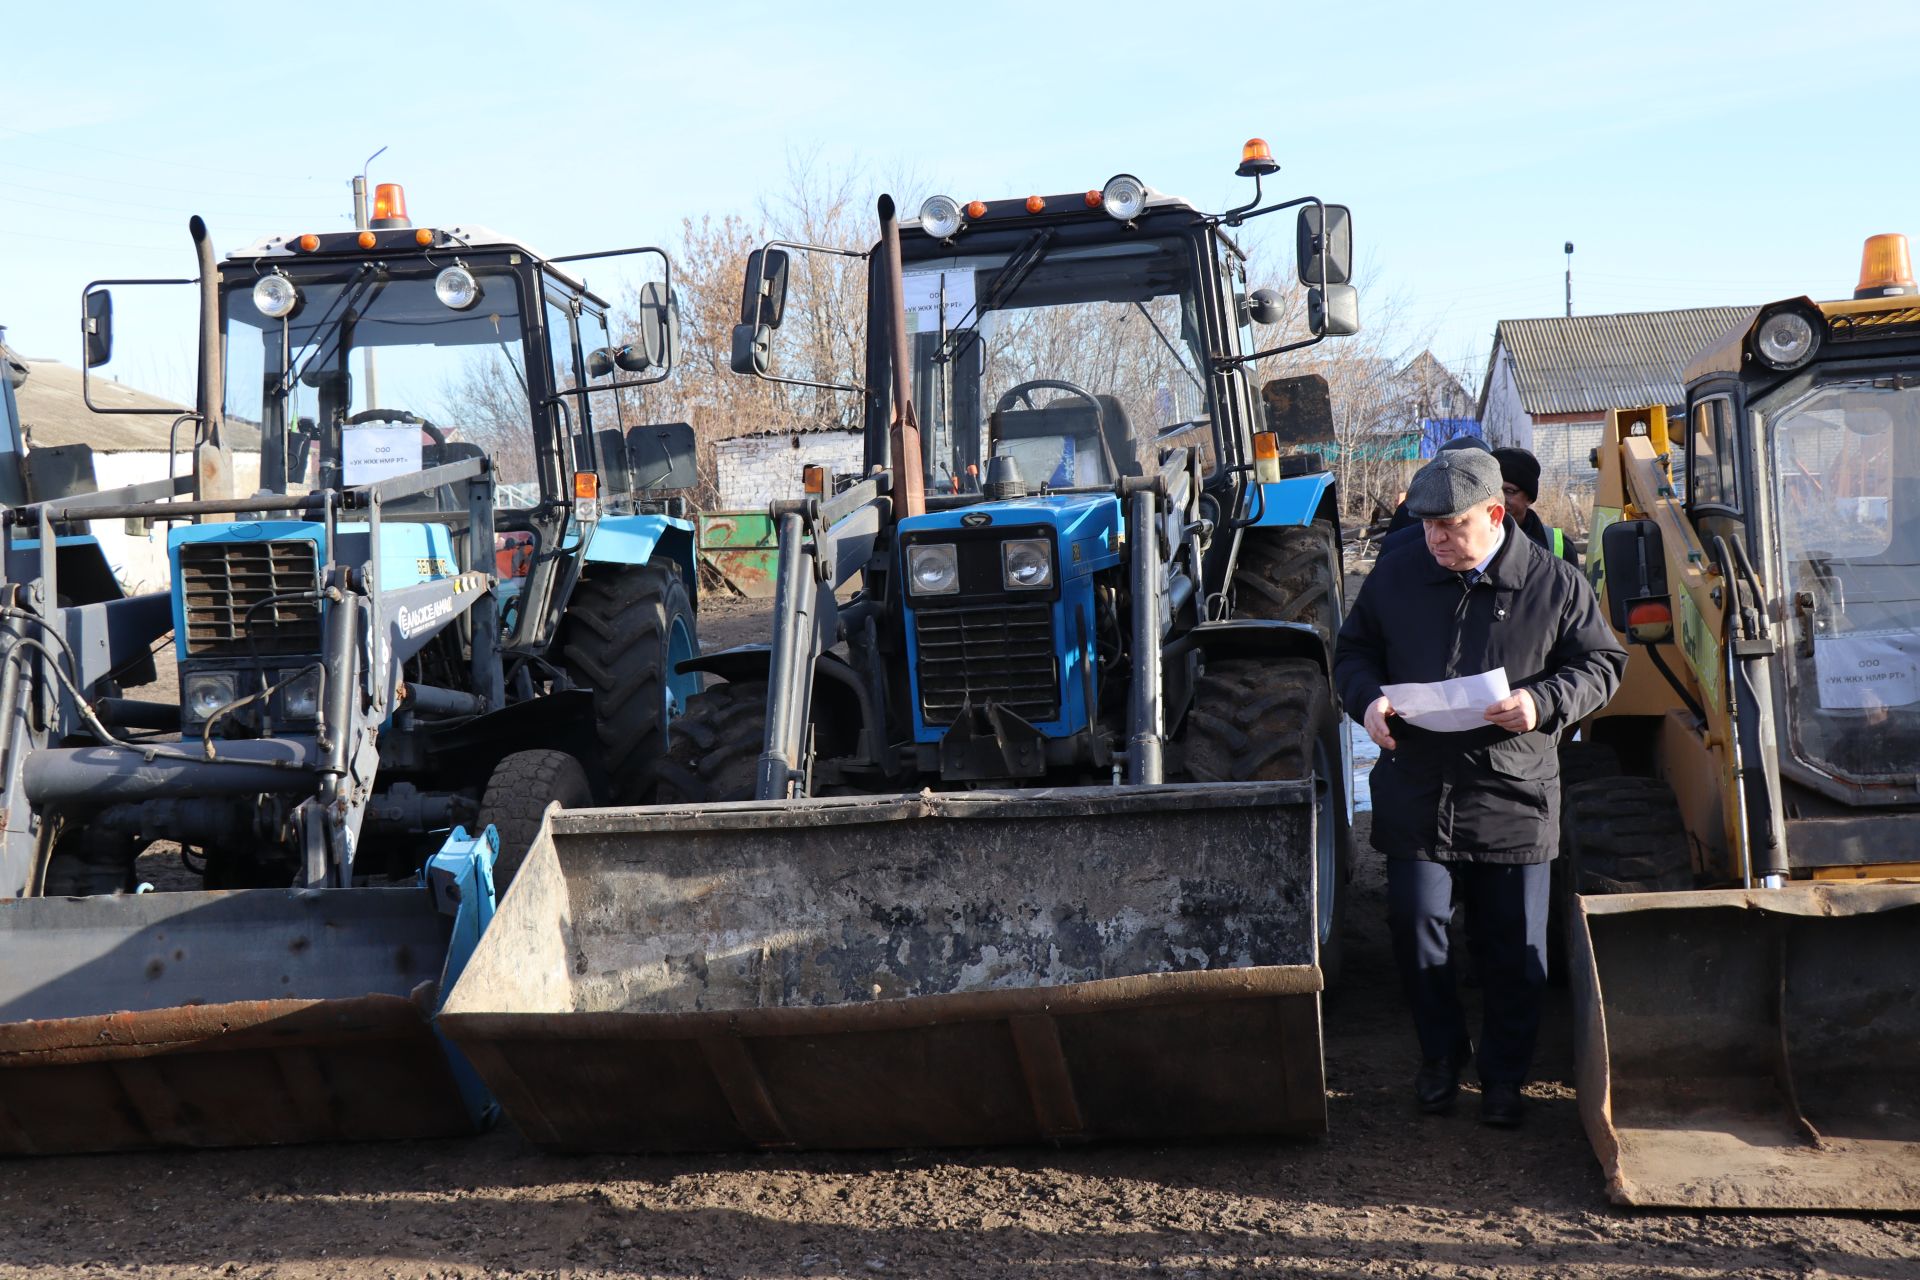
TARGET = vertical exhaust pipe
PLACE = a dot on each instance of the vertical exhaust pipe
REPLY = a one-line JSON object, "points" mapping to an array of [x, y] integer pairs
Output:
{"points": [[212, 459], [909, 480]]}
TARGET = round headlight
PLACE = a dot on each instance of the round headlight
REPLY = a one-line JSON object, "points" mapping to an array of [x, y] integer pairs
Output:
{"points": [[940, 216], [456, 288], [1124, 196], [275, 297], [933, 570], [1785, 340], [206, 694], [1027, 564]]}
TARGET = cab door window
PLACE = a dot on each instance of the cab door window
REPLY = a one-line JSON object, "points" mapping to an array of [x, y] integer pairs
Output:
{"points": [[1713, 460]]}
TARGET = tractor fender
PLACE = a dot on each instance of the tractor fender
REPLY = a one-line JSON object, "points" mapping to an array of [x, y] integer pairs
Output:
{"points": [[1254, 638], [637, 539], [840, 694], [1298, 500]]}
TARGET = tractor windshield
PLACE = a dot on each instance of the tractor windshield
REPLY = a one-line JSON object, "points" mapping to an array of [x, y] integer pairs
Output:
{"points": [[1073, 362], [371, 374], [1846, 468]]}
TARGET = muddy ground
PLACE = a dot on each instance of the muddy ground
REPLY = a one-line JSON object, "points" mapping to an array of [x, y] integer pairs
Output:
{"points": [[1388, 1192]]}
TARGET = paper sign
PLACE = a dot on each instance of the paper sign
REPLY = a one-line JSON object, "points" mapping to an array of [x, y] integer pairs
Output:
{"points": [[379, 453], [1449, 706], [923, 290], [1859, 670]]}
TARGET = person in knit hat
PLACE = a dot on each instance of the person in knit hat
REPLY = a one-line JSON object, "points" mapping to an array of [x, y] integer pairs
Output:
{"points": [[1520, 486]]}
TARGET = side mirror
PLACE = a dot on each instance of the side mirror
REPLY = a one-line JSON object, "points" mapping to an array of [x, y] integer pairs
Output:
{"points": [[1334, 313], [1634, 575], [59, 471], [1299, 410], [98, 328], [752, 349], [600, 362], [1266, 307], [658, 340], [1328, 251], [763, 296], [616, 473], [662, 457]]}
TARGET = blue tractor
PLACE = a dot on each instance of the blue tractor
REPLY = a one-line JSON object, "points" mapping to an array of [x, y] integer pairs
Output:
{"points": [[1087, 569], [458, 593]]}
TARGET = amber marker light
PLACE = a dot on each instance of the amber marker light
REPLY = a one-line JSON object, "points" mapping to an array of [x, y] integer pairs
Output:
{"points": [[976, 208], [1256, 159], [1035, 204], [1886, 268], [586, 484], [423, 237], [367, 239], [1266, 457], [308, 243], [813, 478], [1095, 199]]}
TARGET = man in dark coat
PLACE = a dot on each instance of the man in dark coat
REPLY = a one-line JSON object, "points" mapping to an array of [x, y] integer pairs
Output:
{"points": [[1475, 813], [1520, 484]]}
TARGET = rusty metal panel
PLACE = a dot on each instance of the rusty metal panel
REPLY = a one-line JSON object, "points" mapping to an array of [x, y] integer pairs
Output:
{"points": [[742, 547], [1752, 1048], [960, 969], [218, 1019]]}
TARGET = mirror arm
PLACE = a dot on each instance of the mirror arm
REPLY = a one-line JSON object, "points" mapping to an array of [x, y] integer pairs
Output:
{"points": [[1234, 217], [1234, 362]]}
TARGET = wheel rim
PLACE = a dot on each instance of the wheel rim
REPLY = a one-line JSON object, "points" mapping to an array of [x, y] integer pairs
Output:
{"points": [[679, 685], [1326, 850]]}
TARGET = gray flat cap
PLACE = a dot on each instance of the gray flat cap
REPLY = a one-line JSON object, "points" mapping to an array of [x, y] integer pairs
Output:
{"points": [[1465, 442], [1454, 483]]}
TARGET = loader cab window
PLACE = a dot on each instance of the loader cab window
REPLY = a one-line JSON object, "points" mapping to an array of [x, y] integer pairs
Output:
{"points": [[1713, 467], [1846, 485], [1071, 360]]}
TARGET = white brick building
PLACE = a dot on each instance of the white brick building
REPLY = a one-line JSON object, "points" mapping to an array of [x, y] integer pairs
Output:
{"points": [[752, 470]]}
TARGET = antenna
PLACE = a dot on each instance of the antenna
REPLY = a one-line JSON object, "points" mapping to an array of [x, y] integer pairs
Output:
{"points": [[1569, 252]]}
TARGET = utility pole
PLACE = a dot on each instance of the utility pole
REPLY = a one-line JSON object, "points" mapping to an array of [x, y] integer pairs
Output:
{"points": [[1569, 279], [360, 224]]}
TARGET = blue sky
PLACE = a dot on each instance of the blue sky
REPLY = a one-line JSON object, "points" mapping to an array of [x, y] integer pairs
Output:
{"points": [[1695, 154]]}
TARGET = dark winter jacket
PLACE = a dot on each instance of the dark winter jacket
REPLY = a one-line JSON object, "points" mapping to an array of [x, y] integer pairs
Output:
{"points": [[1485, 795]]}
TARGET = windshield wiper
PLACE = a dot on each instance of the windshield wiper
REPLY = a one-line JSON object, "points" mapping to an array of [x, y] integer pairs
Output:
{"points": [[343, 304], [1011, 277], [1172, 350]]}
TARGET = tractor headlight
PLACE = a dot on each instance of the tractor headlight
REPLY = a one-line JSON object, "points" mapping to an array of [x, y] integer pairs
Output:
{"points": [[275, 297], [206, 692], [300, 697], [1786, 340], [456, 288], [940, 216], [933, 569], [1124, 196], [1026, 564]]}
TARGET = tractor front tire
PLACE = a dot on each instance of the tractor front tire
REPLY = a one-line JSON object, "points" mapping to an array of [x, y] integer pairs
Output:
{"points": [[516, 797], [1624, 835], [716, 747], [624, 629], [1290, 573], [1271, 721]]}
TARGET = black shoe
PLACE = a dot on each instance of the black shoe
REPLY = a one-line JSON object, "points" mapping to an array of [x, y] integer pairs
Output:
{"points": [[1439, 1081], [1501, 1105]]}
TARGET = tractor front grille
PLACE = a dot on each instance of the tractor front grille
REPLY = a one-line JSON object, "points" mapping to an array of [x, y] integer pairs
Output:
{"points": [[997, 653], [224, 587]]}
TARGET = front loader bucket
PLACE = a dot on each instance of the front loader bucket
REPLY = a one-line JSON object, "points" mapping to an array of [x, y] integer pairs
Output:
{"points": [[959, 969], [217, 1019], [1752, 1048]]}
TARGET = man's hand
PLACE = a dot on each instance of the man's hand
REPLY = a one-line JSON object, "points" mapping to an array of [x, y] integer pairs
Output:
{"points": [[1376, 722], [1516, 713]]}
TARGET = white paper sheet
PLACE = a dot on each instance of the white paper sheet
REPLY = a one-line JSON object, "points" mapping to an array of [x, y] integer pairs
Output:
{"points": [[924, 298], [379, 453], [1863, 669], [1449, 706]]}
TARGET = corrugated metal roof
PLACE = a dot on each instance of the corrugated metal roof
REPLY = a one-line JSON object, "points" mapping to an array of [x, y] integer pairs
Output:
{"points": [[1589, 364]]}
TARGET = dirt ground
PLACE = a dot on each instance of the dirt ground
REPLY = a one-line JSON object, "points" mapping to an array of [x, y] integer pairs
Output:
{"points": [[1387, 1193]]}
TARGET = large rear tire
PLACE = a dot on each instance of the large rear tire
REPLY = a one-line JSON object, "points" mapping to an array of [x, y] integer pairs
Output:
{"points": [[626, 628], [716, 747], [1290, 573], [1269, 721], [1624, 835], [516, 797]]}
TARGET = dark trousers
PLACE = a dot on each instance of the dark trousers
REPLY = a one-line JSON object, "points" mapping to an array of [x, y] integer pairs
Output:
{"points": [[1506, 910]]}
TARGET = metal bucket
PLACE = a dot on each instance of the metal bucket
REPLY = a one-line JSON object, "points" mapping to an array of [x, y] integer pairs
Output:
{"points": [[222, 1019], [970, 968], [1752, 1048]]}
